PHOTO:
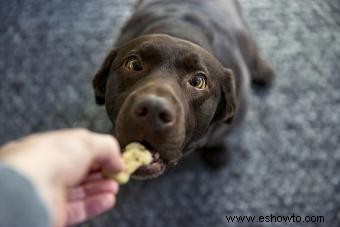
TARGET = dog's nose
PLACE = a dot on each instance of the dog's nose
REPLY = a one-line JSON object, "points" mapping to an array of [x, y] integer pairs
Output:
{"points": [[153, 111]]}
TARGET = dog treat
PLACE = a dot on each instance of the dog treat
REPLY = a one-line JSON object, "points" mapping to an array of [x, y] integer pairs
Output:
{"points": [[135, 156]]}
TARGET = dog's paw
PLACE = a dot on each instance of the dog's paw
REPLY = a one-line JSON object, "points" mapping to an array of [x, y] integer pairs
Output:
{"points": [[216, 156], [263, 75]]}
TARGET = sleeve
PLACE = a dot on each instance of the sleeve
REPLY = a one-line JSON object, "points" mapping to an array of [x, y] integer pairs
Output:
{"points": [[20, 204]]}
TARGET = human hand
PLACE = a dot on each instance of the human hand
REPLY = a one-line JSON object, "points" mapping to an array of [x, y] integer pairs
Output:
{"points": [[65, 167]]}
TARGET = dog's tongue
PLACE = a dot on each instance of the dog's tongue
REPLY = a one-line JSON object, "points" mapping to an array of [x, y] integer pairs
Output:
{"points": [[155, 167]]}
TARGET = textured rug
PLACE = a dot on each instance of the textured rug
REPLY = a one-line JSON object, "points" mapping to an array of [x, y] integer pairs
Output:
{"points": [[286, 158]]}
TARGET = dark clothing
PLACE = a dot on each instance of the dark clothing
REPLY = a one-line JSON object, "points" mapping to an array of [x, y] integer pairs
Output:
{"points": [[20, 204]]}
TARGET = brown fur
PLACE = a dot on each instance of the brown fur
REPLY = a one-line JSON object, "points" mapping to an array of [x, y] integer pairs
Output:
{"points": [[175, 40]]}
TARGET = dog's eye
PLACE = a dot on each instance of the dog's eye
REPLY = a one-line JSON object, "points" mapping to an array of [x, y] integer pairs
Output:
{"points": [[133, 64], [198, 81]]}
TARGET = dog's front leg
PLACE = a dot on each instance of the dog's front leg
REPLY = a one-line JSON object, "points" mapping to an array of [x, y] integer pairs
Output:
{"points": [[216, 155]]}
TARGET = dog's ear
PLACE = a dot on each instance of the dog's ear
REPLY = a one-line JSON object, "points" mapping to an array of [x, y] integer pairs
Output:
{"points": [[228, 96], [100, 78]]}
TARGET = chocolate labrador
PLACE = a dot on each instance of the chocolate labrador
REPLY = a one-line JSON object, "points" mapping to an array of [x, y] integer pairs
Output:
{"points": [[178, 79]]}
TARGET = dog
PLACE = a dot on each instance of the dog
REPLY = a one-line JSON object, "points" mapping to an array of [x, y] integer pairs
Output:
{"points": [[178, 79]]}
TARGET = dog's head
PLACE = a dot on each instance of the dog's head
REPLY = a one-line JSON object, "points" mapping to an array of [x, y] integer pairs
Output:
{"points": [[165, 93]]}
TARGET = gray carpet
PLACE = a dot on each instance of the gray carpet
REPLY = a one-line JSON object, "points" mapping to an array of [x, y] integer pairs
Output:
{"points": [[286, 158]]}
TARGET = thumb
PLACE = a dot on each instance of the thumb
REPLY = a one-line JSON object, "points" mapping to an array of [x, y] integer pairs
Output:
{"points": [[106, 152]]}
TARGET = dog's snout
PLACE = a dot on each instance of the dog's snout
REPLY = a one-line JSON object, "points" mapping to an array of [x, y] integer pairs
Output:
{"points": [[153, 111]]}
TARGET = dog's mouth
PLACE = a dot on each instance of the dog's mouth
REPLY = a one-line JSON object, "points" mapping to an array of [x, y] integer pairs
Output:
{"points": [[155, 168]]}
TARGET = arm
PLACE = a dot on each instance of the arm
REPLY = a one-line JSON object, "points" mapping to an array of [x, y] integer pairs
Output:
{"points": [[62, 171]]}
